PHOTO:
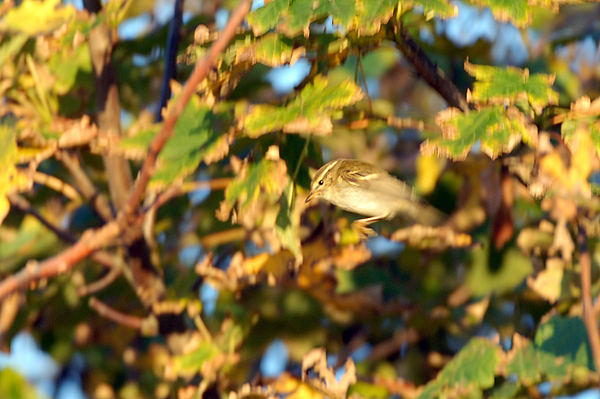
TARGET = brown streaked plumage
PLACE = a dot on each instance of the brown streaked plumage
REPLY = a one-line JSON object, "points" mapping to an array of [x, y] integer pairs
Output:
{"points": [[366, 189]]}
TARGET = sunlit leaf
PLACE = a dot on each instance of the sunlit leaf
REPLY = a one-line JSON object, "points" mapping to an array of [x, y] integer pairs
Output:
{"points": [[506, 85], [311, 111], [47, 14], [517, 11], [293, 17], [574, 175], [434, 8], [12, 46], [583, 115], [498, 129], [274, 50], [67, 65], [14, 386], [471, 370], [11, 178], [192, 362], [266, 177]]}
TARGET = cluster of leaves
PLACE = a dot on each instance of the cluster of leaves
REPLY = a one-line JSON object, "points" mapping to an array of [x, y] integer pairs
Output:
{"points": [[514, 169]]}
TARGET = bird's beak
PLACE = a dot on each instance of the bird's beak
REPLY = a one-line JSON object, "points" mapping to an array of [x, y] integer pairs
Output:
{"points": [[312, 195]]}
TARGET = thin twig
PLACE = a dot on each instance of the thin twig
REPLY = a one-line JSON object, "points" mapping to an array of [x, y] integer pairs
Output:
{"points": [[428, 70], [223, 237], [187, 187], [57, 185], [409, 123], [24, 206], [20, 203], [97, 199], [114, 315], [589, 315], [101, 283], [364, 78]]}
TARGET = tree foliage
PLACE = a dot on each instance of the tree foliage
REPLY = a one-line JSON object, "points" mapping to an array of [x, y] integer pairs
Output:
{"points": [[96, 263]]}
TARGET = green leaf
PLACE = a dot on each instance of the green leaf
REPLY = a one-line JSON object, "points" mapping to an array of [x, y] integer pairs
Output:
{"points": [[500, 130], [201, 134], [286, 229], [266, 17], [497, 272], [507, 85], [310, 112], [266, 177], [433, 8], [192, 362], [507, 390], [471, 370], [525, 364], [560, 350], [293, 17], [11, 47], [14, 386], [32, 240], [48, 15], [11, 178], [274, 49], [565, 337], [67, 65], [518, 12]]}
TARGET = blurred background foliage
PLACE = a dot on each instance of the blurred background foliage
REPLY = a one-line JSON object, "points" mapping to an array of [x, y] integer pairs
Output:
{"points": [[251, 281]]}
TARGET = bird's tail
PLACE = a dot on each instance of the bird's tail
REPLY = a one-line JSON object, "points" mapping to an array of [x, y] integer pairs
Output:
{"points": [[428, 215]]}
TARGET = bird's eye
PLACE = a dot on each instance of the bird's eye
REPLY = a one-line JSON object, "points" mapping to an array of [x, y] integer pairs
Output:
{"points": [[320, 182]]}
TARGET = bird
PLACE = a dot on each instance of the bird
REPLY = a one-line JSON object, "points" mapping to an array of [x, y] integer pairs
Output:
{"points": [[366, 189]]}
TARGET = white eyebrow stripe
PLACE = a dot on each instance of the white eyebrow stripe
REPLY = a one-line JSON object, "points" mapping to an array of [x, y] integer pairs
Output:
{"points": [[327, 169]]}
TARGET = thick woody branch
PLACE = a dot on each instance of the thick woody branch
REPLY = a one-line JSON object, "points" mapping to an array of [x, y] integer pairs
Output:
{"points": [[34, 271], [108, 107], [171, 58]]}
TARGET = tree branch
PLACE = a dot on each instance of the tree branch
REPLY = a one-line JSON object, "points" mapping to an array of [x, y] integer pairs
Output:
{"points": [[34, 271], [589, 314], [108, 104], [101, 283], [171, 58], [99, 201], [114, 315], [24, 206], [433, 75]]}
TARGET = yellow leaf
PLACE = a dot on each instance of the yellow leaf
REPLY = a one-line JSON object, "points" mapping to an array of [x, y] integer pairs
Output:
{"points": [[429, 169], [11, 179], [48, 15], [547, 283], [575, 177]]}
